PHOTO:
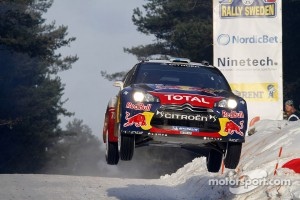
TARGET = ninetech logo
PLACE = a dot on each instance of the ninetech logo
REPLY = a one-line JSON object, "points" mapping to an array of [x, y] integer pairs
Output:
{"points": [[226, 39]]}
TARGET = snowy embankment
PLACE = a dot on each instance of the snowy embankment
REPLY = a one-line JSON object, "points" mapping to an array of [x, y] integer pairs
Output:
{"points": [[261, 151]]}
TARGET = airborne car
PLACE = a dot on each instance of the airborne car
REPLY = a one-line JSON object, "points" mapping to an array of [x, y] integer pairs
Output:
{"points": [[176, 103]]}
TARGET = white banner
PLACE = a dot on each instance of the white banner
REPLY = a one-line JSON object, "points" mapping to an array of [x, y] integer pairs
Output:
{"points": [[248, 50]]}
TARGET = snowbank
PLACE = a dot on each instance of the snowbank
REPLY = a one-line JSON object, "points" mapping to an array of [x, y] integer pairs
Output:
{"points": [[260, 151]]}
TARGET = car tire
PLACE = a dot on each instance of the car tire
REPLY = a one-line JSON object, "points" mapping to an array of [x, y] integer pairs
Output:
{"points": [[233, 154], [214, 160], [111, 153], [126, 146]]}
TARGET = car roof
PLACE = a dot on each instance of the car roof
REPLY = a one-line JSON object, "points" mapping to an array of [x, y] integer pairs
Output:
{"points": [[180, 61]]}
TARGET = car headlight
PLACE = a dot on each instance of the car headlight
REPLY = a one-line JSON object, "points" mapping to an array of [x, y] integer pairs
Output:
{"points": [[144, 97], [227, 103]]}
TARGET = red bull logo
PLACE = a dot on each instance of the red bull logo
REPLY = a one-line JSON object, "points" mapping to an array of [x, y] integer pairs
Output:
{"points": [[233, 114], [232, 128], [137, 120], [139, 106], [141, 120]]}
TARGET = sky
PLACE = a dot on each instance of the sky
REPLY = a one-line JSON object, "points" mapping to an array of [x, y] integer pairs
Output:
{"points": [[102, 28], [259, 158]]}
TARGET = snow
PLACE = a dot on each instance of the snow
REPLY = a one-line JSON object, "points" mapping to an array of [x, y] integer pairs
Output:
{"points": [[261, 151]]}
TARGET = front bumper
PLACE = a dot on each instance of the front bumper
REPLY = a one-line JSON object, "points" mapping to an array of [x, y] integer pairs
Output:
{"points": [[184, 124]]}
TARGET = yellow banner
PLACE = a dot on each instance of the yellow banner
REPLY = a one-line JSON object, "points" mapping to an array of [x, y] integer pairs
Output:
{"points": [[256, 92]]}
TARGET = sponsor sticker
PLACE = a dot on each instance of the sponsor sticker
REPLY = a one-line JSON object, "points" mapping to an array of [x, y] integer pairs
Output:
{"points": [[246, 62], [181, 98], [190, 117], [182, 128], [139, 120], [226, 39], [231, 127], [185, 133], [212, 138], [256, 92], [134, 132], [247, 8], [157, 134], [233, 114], [138, 106]]}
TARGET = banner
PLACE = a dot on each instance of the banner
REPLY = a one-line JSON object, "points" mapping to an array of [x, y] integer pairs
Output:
{"points": [[248, 50]]}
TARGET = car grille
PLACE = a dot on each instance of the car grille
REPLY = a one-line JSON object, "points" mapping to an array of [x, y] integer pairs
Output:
{"points": [[186, 115]]}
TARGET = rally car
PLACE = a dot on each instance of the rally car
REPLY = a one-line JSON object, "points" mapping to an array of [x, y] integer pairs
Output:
{"points": [[176, 103]]}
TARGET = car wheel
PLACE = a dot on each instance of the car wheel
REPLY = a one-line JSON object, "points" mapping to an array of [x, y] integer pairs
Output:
{"points": [[111, 153], [214, 160], [126, 146], [233, 154]]}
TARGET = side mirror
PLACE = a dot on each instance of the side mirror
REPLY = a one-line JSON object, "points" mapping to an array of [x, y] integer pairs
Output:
{"points": [[119, 84]]}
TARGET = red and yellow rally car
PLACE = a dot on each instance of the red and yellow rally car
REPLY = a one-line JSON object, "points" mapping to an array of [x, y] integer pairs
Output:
{"points": [[176, 103]]}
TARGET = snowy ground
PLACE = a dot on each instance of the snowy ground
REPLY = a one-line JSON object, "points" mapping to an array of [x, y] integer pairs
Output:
{"points": [[261, 151]]}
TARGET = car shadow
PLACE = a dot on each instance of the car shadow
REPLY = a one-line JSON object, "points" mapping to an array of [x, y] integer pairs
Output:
{"points": [[151, 162], [194, 188]]}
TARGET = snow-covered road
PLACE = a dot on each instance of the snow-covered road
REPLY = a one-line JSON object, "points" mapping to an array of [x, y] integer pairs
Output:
{"points": [[57, 187], [190, 182]]}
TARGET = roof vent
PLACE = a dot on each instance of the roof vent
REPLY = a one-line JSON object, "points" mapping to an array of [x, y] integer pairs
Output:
{"points": [[180, 60], [204, 62]]}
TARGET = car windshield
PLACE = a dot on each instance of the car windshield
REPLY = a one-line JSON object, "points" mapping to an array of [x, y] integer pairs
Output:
{"points": [[170, 74]]}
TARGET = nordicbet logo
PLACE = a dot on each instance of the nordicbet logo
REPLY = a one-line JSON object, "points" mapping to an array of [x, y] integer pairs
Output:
{"points": [[225, 39]]}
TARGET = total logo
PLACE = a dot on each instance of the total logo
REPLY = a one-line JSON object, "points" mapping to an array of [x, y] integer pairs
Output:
{"points": [[181, 99], [188, 98], [226, 39]]}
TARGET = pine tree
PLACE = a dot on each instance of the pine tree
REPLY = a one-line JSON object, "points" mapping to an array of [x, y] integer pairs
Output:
{"points": [[181, 28], [30, 90]]}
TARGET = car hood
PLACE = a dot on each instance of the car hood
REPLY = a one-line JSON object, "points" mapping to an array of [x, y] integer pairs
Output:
{"points": [[160, 88], [176, 94]]}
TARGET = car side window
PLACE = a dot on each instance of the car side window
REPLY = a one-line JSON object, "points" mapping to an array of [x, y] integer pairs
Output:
{"points": [[129, 77]]}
